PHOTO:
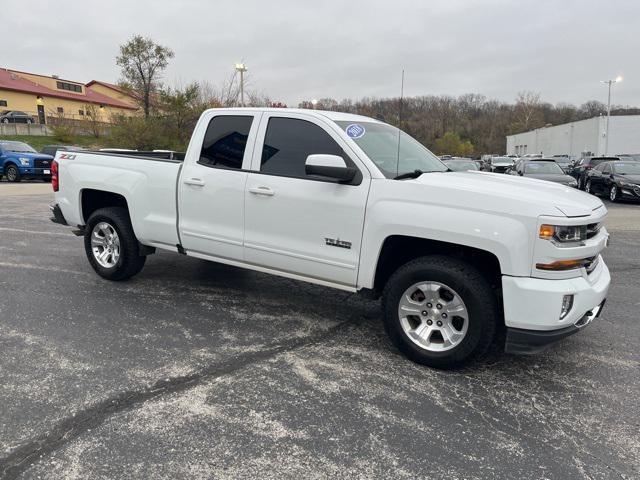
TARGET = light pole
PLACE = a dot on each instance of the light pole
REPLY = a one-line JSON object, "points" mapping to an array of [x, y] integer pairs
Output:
{"points": [[609, 83], [241, 68]]}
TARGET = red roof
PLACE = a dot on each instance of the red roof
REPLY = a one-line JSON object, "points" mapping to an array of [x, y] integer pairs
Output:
{"points": [[17, 83]]}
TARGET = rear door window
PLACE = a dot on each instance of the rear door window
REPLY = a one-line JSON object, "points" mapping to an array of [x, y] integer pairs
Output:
{"points": [[225, 141]]}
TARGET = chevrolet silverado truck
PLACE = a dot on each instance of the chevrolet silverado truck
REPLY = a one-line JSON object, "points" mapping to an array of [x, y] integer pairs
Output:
{"points": [[18, 160], [352, 203]]}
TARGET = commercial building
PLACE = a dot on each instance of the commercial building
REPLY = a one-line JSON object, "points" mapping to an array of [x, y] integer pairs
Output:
{"points": [[49, 98], [586, 137]]}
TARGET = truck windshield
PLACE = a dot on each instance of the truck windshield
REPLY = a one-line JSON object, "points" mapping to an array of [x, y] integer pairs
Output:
{"points": [[17, 147], [380, 142]]}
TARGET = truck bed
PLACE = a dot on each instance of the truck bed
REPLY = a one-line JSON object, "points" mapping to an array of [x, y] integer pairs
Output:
{"points": [[149, 182]]}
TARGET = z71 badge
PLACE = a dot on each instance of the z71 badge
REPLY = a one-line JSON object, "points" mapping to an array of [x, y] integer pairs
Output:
{"points": [[336, 242]]}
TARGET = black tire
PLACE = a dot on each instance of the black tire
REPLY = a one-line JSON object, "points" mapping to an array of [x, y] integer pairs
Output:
{"points": [[587, 188], [12, 173], [473, 288], [130, 261]]}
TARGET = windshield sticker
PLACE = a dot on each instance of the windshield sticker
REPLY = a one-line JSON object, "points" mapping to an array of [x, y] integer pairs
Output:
{"points": [[355, 131]]}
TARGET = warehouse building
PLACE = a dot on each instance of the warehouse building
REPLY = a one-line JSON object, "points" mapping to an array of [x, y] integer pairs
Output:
{"points": [[48, 99], [576, 139]]}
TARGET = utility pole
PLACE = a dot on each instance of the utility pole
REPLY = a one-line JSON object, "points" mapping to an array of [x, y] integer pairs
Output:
{"points": [[609, 83], [241, 68]]}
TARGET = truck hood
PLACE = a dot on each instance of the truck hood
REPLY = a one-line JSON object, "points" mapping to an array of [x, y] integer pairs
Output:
{"points": [[31, 156], [509, 194]]}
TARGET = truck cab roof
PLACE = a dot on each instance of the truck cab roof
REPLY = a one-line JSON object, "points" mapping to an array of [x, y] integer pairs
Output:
{"points": [[334, 116]]}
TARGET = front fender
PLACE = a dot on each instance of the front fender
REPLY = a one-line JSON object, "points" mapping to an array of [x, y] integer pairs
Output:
{"points": [[506, 237]]}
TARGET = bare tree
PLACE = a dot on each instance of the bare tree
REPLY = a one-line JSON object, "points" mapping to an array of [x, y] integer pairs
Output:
{"points": [[93, 119], [528, 111], [142, 62]]}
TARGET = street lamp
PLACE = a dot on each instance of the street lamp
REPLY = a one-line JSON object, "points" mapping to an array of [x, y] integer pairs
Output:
{"points": [[609, 83], [241, 68], [314, 102]]}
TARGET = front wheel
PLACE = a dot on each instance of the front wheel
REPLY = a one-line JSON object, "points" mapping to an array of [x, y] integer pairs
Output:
{"points": [[614, 194], [587, 187], [111, 246], [12, 173], [440, 311]]}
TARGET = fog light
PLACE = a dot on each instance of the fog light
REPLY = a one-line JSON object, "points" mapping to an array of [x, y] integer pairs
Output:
{"points": [[567, 303]]}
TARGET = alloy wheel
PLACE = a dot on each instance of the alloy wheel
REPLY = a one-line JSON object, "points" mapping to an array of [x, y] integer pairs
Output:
{"points": [[433, 316], [105, 245]]}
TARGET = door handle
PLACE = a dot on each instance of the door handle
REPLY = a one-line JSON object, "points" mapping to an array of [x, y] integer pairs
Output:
{"points": [[262, 191], [196, 182]]}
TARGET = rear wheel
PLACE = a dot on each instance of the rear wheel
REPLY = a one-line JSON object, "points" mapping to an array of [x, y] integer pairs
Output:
{"points": [[111, 246], [12, 173], [614, 193], [440, 311]]}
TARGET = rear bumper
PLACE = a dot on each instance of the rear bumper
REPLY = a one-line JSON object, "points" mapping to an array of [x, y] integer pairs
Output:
{"points": [[527, 342], [57, 217]]}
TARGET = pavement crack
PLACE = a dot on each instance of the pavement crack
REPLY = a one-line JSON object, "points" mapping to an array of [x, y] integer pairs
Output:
{"points": [[95, 415]]}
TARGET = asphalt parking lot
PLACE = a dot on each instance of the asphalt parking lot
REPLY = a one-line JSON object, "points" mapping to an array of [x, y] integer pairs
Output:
{"points": [[198, 370]]}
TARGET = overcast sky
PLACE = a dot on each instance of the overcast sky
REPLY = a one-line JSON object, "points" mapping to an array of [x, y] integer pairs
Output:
{"points": [[303, 49]]}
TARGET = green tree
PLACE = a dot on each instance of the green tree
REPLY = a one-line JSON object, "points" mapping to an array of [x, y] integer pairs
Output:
{"points": [[451, 144], [180, 110], [142, 62]]}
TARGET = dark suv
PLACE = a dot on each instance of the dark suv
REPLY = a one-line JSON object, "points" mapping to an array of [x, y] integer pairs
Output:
{"points": [[582, 167]]}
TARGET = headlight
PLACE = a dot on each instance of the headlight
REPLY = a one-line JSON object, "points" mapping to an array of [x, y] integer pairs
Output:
{"points": [[24, 161], [563, 233], [573, 183]]}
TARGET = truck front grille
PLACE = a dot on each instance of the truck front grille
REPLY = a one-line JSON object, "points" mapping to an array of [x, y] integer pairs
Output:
{"points": [[40, 163]]}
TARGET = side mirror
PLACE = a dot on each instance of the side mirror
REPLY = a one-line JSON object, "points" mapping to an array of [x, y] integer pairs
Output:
{"points": [[330, 166]]}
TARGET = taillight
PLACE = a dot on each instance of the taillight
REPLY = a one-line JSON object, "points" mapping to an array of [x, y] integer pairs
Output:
{"points": [[588, 167], [54, 176]]}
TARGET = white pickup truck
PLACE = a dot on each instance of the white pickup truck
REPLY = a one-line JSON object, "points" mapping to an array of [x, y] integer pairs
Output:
{"points": [[355, 204]]}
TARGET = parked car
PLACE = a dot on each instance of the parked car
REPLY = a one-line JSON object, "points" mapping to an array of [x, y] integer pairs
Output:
{"points": [[532, 155], [461, 164], [564, 161], [582, 167], [53, 149], [543, 169], [498, 164], [455, 257], [19, 160], [618, 180], [629, 156], [14, 116]]}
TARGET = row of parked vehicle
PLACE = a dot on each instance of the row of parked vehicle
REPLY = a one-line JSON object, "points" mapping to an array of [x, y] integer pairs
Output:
{"points": [[617, 177], [19, 160]]}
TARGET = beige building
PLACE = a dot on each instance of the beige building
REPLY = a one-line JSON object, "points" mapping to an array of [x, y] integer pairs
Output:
{"points": [[47, 99]]}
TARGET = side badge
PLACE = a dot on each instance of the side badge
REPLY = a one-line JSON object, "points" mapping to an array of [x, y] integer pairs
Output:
{"points": [[336, 242]]}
